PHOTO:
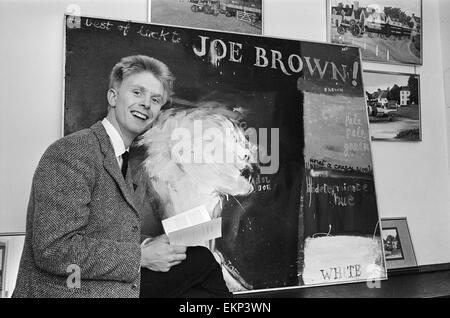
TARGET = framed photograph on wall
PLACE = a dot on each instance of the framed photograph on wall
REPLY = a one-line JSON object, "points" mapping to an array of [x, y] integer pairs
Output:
{"points": [[242, 16], [398, 248], [393, 105], [387, 31]]}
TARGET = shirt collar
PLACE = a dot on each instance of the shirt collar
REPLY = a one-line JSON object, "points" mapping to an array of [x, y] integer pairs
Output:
{"points": [[114, 136]]}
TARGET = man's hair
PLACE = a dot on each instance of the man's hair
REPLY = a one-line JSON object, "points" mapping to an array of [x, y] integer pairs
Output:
{"points": [[142, 63]]}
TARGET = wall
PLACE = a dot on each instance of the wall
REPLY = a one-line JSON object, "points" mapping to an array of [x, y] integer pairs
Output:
{"points": [[444, 19], [412, 178], [14, 247], [31, 51], [444, 10]]}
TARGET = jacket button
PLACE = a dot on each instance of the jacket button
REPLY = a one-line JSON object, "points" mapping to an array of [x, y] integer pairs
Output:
{"points": [[135, 228], [134, 286]]}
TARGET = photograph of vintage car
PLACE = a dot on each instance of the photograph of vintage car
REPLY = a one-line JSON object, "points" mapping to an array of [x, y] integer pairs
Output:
{"points": [[387, 31], [393, 105], [243, 16]]}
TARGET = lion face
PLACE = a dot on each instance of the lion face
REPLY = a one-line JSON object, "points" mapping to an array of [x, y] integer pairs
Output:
{"points": [[196, 157]]}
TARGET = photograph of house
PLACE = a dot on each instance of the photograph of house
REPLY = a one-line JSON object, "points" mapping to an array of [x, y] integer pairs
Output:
{"points": [[393, 106], [387, 31], [392, 244], [405, 93]]}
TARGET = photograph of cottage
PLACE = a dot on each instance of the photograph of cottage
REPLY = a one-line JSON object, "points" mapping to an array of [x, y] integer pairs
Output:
{"points": [[392, 245], [242, 16], [387, 31], [393, 106]]}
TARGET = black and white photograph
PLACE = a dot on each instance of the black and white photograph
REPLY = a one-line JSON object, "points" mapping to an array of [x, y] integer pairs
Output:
{"points": [[220, 155], [393, 106], [242, 16], [392, 244], [398, 245], [387, 31]]}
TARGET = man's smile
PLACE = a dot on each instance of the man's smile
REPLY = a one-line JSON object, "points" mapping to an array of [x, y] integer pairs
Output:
{"points": [[139, 115]]}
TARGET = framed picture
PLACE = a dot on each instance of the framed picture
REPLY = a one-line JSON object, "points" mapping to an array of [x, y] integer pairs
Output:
{"points": [[2, 265], [387, 31], [398, 248], [242, 16], [393, 106], [11, 247]]}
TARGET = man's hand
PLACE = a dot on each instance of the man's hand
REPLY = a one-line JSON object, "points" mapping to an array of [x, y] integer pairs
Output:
{"points": [[158, 255]]}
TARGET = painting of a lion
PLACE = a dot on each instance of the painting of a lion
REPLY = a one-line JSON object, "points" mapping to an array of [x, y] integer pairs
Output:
{"points": [[197, 156]]}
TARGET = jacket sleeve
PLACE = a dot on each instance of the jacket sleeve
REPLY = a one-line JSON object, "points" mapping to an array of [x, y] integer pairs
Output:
{"points": [[61, 194]]}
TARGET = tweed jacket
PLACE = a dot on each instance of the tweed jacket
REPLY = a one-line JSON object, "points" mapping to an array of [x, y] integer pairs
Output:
{"points": [[81, 219]]}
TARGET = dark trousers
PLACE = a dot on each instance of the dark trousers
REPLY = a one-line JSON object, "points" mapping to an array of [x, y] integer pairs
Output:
{"points": [[198, 276]]}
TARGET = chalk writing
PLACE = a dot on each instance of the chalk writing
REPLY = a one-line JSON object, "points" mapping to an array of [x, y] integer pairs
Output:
{"points": [[147, 31], [345, 187], [103, 25], [316, 163], [357, 132], [355, 147], [354, 127], [262, 183], [354, 120], [344, 200], [333, 90], [124, 29], [263, 187], [160, 34], [340, 195], [338, 273]]}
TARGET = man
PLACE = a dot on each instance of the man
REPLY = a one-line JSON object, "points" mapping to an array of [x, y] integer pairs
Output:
{"points": [[83, 227]]}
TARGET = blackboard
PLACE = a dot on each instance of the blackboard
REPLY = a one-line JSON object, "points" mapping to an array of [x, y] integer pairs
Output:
{"points": [[312, 217]]}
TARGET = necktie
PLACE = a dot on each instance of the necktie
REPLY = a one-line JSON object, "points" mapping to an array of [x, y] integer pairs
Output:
{"points": [[125, 157]]}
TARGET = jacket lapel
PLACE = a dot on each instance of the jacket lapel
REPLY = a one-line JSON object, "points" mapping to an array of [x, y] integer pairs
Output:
{"points": [[111, 166]]}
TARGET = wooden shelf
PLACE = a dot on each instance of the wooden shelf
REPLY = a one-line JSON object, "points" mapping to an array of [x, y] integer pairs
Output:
{"points": [[423, 282]]}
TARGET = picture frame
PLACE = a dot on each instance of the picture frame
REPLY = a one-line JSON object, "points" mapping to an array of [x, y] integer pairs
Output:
{"points": [[240, 16], [393, 106], [398, 247], [2, 266], [387, 31], [11, 247]]}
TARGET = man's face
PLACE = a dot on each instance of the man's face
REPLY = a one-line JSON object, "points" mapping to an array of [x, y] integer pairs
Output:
{"points": [[136, 103]]}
